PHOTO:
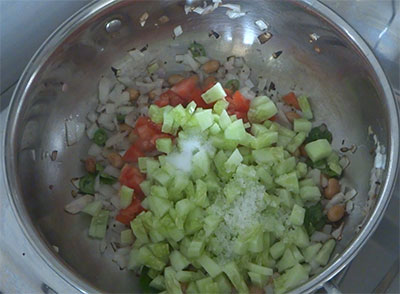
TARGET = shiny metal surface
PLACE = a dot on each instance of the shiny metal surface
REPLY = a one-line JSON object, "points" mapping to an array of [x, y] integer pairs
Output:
{"points": [[44, 108]]}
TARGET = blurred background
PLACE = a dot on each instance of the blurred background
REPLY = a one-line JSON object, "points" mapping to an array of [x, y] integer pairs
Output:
{"points": [[24, 26]]}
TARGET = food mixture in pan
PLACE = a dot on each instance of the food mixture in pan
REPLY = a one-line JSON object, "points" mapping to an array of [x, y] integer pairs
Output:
{"points": [[202, 183]]}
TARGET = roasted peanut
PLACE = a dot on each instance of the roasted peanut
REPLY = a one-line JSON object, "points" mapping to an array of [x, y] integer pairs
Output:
{"points": [[303, 151], [132, 137], [124, 128], [209, 81], [90, 165], [152, 95], [256, 290], [291, 115], [133, 94], [174, 79], [332, 189], [210, 66], [115, 159], [336, 213]]}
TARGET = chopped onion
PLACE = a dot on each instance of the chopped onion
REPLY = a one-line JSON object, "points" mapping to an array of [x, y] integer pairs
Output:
{"points": [[246, 92], [327, 229], [115, 139], [233, 15], [92, 116], [190, 61], [350, 194], [187, 9], [202, 59], [229, 63], [103, 245], [116, 202], [136, 54], [245, 72], [198, 10], [94, 150], [130, 118], [338, 198], [262, 82], [75, 182], [78, 204], [116, 226], [143, 19], [349, 206], [324, 181], [178, 31], [261, 25], [179, 58], [337, 234], [110, 108], [121, 257], [344, 162], [105, 85], [106, 190], [233, 7], [249, 83], [74, 131], [124, 110], [106, 120], [116, 92], [112, 171], [97, 183], [91, 130], [319, 237]]}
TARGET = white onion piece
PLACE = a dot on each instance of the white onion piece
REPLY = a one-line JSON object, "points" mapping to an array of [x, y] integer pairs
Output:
{"points": [[116, 186], [121, 257], [78, 204], [115, 139], [344, 162], [337, 234], [110, 108], [116, 92], [261, 25], [229, 64], [105, 120], [74, 131], [249, 83], [116, 202], [105, 85], [92, 116], [116, 226], [315, 175], [319, 237], [350, 194], [233, 14], [103, 245], [91, 130], [349, 206], [112, 171], [75, 182], [130, 118], [198, 10], [137, 55], [244, 73], [178, 31], [327, 229], [187, 9], [106, 190], [233, 7], [190, 61], [262, 83], [337, 199], [94, 150], [179, 58], [324, 181], [124, 110], [100, 108], [246, 92], [97, 183], [202, 59], [239, 62]]}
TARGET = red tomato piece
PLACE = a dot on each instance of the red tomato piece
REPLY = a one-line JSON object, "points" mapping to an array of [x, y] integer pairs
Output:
{"points": [[161, 102], [126, 215], [185, 87], [130, 176], [291, 100], [241, 103], [133, 153]]}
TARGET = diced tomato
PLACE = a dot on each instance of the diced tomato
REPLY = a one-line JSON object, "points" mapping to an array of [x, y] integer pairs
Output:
{"points": [[208, 85], [291, 100], [228, 92], [241, 103], [126, 215], [145, 132], [133, 153], [161, 102], [274, 118], [130, 176], [185, 87], [238, 105]]}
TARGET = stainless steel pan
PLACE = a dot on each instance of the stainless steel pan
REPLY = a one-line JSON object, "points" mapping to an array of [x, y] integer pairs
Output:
{"points": [[338, 71]]}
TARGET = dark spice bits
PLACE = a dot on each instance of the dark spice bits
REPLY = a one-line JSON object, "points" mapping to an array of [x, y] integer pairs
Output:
{"points": [[264, 37], [144, 48], [277, 54], [271, 87], [214, 34]]}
